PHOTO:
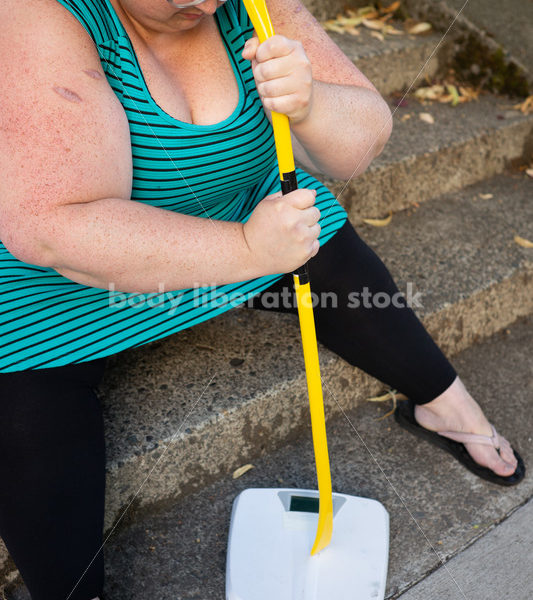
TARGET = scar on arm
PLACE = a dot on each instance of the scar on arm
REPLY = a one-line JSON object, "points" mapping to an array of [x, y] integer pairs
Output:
{"points": [[92, 73], [67, 94]]}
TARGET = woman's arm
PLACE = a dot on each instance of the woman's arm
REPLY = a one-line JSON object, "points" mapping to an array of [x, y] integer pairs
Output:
{"points": [[66, 177], [340, 123]]}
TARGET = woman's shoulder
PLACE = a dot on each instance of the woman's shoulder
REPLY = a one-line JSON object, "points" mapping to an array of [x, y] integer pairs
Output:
{"points": [[97, 16]]}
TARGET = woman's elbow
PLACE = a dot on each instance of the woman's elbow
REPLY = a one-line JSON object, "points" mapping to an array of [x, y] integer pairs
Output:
{"points": [[378, 136], [383, 128]]}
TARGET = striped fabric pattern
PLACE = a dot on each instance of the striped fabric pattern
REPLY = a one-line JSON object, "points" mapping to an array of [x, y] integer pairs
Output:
{"points": [[218, 171]]}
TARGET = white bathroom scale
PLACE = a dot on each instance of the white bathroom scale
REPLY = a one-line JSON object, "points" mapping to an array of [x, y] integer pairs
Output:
{"points": [[270, 540]]}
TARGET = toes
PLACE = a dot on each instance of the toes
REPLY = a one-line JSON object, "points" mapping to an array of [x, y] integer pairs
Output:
{"points": [[506, 453], [502, 466], [489, 457]]}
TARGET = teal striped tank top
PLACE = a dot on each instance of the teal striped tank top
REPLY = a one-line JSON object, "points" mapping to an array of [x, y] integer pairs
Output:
{"points": [[218, 171]]}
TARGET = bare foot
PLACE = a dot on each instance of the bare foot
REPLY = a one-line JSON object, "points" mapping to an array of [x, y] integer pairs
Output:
{"points": [[456, 410]]}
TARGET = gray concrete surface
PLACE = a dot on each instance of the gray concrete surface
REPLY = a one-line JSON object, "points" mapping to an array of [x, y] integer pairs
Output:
{"points": [[396, 63], [466, 144], [497, 566], [511, 28], [490, 40], [437, 508]]}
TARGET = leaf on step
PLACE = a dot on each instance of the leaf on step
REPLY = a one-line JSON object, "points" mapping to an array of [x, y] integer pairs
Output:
{"points": [[406, 117], [352, 31], [392, 8], [241, 471], [204, 347], [379, 222], [433, 92], [332, 26], [452, 90], [393, 31], [369, 12], [445, 92], [373, 24], [419, 28], [526, 107], [378, 35], [486, 196], [523, 242], [389, 395], [349, 21], [427, 118], [468, 93]]}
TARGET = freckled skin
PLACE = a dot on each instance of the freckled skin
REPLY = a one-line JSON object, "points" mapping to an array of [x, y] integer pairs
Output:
{"points": [[67, 94]]}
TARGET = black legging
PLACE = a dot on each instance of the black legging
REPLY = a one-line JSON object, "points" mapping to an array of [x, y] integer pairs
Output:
{"points": [[52, 454]]}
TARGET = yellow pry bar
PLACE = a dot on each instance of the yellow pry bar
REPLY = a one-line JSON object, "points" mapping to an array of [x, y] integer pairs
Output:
{"points": [[260, 18]]}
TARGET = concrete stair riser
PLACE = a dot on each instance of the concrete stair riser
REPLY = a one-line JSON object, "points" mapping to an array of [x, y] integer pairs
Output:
{"points": [[465, 145]]}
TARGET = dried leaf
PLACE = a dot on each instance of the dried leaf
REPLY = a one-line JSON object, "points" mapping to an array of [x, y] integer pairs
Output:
{"points": [[419, 28], [352, 31], [469, 93], [373, 24], [379, 222], [486, 196], [389, 395], [378, 35], [523, 242], [204, 347], [241, 471], [452, 90], [390, 29], [432, 92], [405, 117], [385, 18], [427, 118], [368, 11], [529, 172], [526, 107], [392, 8], [333, 27], [350, 22]]}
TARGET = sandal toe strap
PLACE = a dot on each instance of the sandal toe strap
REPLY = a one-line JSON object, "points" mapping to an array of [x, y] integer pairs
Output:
{"points": [[474, 438]]}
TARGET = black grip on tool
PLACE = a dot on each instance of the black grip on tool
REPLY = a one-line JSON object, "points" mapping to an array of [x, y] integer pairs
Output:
{"points": [[289, 183]]}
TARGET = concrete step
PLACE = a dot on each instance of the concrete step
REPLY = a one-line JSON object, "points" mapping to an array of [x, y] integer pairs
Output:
{"points": [[187, 410], [398, 62], [437, 508], [492, 41], [466, 144]]}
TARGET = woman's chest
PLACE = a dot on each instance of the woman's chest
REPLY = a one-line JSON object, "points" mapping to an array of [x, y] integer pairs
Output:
{"points": [[193, 80]]}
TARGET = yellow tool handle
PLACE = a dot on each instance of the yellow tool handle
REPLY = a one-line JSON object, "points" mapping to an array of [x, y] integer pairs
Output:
{"points": [[318, 420], [260, 18]]}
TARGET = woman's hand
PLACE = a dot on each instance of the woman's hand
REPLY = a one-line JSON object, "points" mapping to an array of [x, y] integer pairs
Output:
{"points": [[282, 231], [283, 75]]}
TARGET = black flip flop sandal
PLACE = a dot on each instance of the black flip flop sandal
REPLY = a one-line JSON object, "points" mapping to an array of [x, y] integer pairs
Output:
{"points": [[405, 417]]}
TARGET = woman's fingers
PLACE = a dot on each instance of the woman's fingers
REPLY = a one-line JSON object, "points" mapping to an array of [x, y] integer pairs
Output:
{"points": [[276, 47], [283, 75], [301, 198], [295, 63]]}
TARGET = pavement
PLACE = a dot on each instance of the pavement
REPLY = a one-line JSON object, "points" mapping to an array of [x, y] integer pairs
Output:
{"points": [[452, 534], [499, 565]]}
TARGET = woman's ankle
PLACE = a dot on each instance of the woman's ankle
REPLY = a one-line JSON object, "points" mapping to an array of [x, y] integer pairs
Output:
{"points": [[455, 395]]}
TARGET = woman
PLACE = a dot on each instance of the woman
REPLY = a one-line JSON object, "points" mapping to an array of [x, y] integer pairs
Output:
{"points": [[155, 101]]}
